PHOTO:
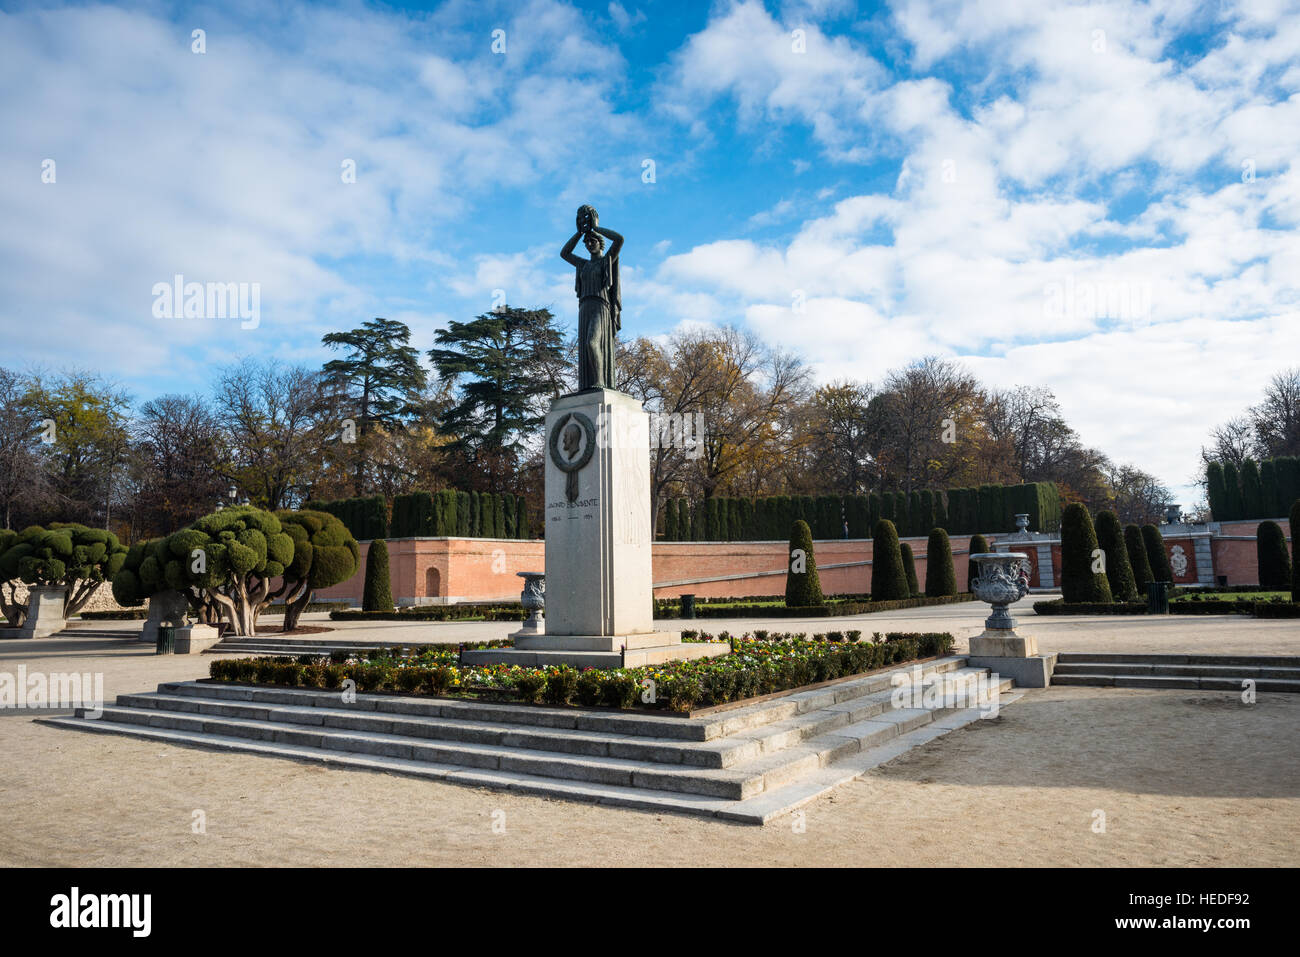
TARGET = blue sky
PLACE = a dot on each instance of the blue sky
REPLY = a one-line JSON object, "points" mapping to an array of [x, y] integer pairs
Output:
{"points": [[1100, 198]]}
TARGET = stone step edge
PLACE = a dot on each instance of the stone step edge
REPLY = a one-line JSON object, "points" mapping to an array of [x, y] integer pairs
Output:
{"points": [[780, 801], [1183, 683], [707, 728], [747, 778], [1173, 671], [1250, 661]]}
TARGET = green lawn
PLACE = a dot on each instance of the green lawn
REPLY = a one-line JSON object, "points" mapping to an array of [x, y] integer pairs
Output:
{"points": [[1234, 595]]}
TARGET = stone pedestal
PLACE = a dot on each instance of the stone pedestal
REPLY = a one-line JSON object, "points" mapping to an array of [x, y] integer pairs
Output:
{"points": [[599, 589], [44, 613], [165, 608], [194, 639], [1003, 643], [1013, 656]]}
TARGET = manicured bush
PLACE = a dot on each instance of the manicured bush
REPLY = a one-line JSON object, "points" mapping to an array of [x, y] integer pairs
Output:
{"points": [[1274, 559], [523, 528], [909, 570], [1137, 558], [940, 576], [325, 554], [670, 520], [1154, 543], [1119, 571], [1079, 583], [802, 586], [978, 544], [888, 577], [378, 594], [75, 557]]}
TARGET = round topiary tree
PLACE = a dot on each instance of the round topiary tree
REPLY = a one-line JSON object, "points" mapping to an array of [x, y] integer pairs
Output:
{"points": [[228, 559], [1119, 571], [64, 555], [324, 554], [1274, 559], [978, 544], [1154, 543], [940, 576], [802, 586], [909, 570], [378, 594], [888, 577], [1079, 553], [1137, 559]]}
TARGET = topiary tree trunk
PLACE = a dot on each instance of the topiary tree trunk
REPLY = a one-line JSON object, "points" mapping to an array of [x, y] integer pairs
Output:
{"points": [[978, 544], [1154, 543], [1119, 571], [940, 576], [378, 594], [909, 570], [1083, 578], [802, 587], [1274, 560], [888, 578]]}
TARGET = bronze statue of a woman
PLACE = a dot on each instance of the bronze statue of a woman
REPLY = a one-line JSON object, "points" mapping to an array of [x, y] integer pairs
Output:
{"points": [[599, 300]]}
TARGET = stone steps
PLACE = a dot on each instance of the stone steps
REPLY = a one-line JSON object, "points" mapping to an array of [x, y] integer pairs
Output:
{"points": [[1183, 672], [748, 763]]}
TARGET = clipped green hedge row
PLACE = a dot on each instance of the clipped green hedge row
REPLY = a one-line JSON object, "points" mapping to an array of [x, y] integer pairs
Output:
{"points": [[366, 518], [1244, 606], [958, 511]]}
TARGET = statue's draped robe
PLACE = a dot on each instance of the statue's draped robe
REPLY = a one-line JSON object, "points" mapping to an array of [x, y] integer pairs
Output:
{"points": [[599, 304]]}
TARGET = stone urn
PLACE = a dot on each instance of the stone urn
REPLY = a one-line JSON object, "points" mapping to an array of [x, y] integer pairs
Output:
{"points": [[1022, 523], [1003, 578], [533, 598]]}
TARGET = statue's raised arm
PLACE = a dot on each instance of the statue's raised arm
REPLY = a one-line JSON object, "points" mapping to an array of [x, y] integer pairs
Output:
{"points": [[599, 299]]}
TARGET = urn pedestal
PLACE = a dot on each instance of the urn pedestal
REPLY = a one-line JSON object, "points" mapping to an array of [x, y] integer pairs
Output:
{"points": [[599, 586], [1003, 579]]}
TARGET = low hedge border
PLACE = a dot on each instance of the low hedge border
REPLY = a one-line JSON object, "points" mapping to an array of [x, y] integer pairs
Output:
{"points": [[115, 614], [755, 668], [1243, 606], [829, 610]]}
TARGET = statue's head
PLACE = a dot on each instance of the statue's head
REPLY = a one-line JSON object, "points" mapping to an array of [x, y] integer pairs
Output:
{"points": [[594, 242]]}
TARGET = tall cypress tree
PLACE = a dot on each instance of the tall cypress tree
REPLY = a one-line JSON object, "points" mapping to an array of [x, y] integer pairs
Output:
{"points": [[940, 576], [1274, 561], [802, 587], [909, 570], [377, 594], [1137, 558], [1252, 491], [1268, 483], [888, 578], [1079, 583], [1232, 496], [670, 520], [1216, 491], [978, 544], [1119, 572], [1295, 537], [1154, 543]]}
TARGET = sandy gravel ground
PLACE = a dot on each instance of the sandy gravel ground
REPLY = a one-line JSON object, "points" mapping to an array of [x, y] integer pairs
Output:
{"points": [[1183, 778]]}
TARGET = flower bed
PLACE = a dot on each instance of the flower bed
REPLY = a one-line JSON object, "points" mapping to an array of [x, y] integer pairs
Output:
{"points": [[756, 666]]}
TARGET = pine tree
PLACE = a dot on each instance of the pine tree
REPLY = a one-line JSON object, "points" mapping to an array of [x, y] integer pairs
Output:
{"points": [[940, 576], [1079, 582], [802, 587]]}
